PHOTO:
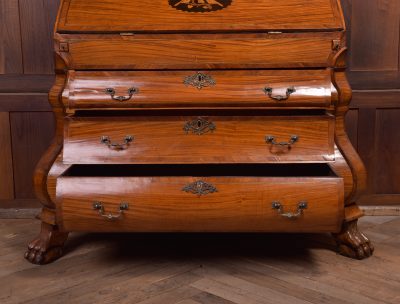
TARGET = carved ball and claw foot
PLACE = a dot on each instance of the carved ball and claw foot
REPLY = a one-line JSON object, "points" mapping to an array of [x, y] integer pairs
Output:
{"points": [[47, 247], [353, 243]]}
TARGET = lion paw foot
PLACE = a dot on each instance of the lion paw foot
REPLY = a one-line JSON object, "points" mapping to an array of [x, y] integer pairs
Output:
{"points": [[39, 254], [47, 247], [352, 243]]}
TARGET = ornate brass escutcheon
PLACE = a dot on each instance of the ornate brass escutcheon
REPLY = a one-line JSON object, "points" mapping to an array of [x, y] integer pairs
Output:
{"points": [[289, 91], [199, 6], [300, 208], [200, 188], [131, 92], [100, 208], [199, 81], [199, 126]]}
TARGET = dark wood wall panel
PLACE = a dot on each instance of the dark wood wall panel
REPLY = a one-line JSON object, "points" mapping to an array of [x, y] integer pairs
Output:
{"points": [[352, 126], [369, 23], [11, 50], [374, 43], [6, 161], [387, 146], [374, 73], [17, 102], [374, 129], [366, 141], [31, 135], [22, 83], [26, 74], [37, 45]]}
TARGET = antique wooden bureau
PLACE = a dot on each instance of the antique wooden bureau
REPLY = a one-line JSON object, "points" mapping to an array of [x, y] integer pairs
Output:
{"points": [[200, 116]]}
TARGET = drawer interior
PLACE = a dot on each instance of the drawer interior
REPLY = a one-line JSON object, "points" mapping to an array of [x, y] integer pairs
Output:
{"points": [[201, 112], [202, 170]]}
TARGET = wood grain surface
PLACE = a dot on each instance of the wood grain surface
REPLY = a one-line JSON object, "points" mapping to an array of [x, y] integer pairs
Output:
{"points": [[29, 129], [158, 15], [167, 89], [191, 51], [162, 139], [6, 161], [160, 204], [219, 138], [373, 72], [202, 268]]}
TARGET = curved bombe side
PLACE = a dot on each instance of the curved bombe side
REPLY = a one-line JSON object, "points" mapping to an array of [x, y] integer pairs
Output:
{"points": [[47, 246], [350, 241]]}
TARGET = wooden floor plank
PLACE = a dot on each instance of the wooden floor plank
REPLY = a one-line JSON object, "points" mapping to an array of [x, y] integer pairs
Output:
{"points": [[201, 269], [208, 298], [188, 301], [264, 279], [151, 286], [174, 296], [230, 293], [218, 272], [337, 276], [316, 283]]}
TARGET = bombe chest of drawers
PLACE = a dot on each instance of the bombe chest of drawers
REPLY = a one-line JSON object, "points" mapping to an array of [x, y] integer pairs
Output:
{"points": [[200, 116]]}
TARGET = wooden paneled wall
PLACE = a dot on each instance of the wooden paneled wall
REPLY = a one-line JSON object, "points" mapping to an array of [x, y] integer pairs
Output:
{"points": [[26, 74], [374, 73]]}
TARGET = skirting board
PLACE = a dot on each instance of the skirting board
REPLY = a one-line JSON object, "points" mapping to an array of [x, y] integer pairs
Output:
{"points": [[381, 210], [10, 213]]}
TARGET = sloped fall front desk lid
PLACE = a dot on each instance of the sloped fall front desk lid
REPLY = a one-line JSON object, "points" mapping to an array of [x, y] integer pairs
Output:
{"points": [[199, 16]]}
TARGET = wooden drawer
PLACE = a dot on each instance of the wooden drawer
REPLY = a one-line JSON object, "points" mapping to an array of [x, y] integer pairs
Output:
{"points": [[199, 204], [193, 139], [169, 89], [196, 51]]}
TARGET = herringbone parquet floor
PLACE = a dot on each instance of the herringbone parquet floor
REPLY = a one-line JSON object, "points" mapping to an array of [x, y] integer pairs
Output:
{"points": [[195, 269]]}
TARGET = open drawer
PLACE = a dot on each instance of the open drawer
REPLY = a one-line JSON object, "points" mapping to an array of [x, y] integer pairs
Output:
{"points": [[195, 198], [171, 89], [198, 139]]}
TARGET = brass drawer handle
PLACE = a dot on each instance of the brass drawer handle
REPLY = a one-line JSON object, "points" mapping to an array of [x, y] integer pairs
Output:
{"points": [[131, 92], [199, 126], [300, 208], [100, 208], [117, 146], [271, 140], [200, 188], [269, 91], [199, 81]]}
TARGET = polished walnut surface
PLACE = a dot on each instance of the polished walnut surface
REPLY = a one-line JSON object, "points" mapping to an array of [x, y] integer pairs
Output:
{"points": [[200, 51], [214, 116], [239, 204], [192, 139], [239, 15], [219, 88]]}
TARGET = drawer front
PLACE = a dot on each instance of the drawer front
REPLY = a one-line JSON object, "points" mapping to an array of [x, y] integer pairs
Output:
{"points": [[169, 89], [214, 139], [155, 52], [206, 204]]}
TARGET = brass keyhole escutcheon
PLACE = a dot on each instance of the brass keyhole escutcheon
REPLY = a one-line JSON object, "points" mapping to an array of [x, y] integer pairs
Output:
{"points": [[199, 6]]}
